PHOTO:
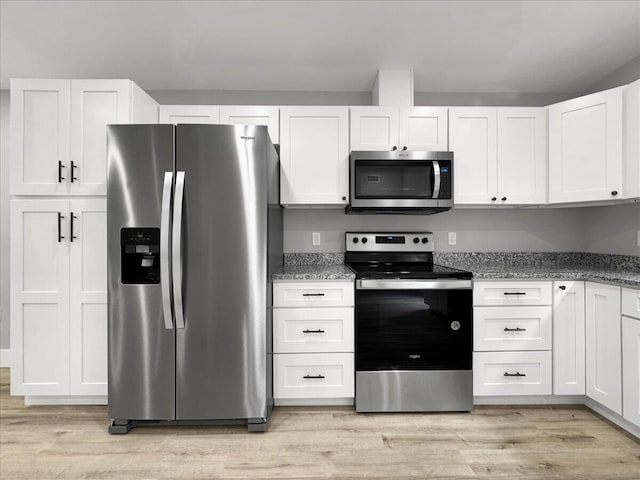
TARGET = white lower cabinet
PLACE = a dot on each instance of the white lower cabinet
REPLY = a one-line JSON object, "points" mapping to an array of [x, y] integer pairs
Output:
{"points": [[631, 369], [512, 373], [58, 297], [603, 345], [313, 375], [313, 342], [568, 338], [512, 324]]}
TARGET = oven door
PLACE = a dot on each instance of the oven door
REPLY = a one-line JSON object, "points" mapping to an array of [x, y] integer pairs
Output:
{"points": [[413, 325]]}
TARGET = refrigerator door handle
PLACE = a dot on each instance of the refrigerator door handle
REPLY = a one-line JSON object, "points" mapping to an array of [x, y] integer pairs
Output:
{"points": [[165, 278], [176, 254]]}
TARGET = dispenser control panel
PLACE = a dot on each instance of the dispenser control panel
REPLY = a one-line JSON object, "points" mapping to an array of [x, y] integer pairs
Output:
{"points": [[140, 255]]}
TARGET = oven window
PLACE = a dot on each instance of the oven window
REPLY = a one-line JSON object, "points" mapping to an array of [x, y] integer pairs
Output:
{"points": [[396, 179], [412, 330]]}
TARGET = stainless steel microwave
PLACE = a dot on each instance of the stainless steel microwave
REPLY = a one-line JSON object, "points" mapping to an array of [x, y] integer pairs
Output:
{"points": [[403, 182]]}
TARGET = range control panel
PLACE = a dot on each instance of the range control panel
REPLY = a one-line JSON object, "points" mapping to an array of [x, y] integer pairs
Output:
{"points": [[389, 242], [140, 255]]}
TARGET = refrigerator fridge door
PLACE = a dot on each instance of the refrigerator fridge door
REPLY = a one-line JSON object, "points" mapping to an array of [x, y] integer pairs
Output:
{"points": [[222, 350], [141, 332]]}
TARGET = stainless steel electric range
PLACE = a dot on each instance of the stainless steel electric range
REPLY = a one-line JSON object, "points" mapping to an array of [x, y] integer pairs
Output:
{"points": [[414, 325]]}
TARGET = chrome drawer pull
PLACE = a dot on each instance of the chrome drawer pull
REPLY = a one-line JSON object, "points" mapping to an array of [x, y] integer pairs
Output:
{"points": [[515, 293], [517, 374], [313, 331], [313, 376], [517, 329], [313, 294]]}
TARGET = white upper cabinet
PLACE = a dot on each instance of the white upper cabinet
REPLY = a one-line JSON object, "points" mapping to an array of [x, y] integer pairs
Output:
{"points": [[252, 115], [314, 156], [374, 128], [585, 148], [59, 135], [389, 128], [632, 140], [473, 141], [522, 156], [424, 128], [603, 345], [94, 105], [40, 129], [189, 114]]}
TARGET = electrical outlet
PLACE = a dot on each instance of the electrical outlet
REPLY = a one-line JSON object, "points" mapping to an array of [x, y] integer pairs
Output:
{"points": [[315, 238], [452, 238]]}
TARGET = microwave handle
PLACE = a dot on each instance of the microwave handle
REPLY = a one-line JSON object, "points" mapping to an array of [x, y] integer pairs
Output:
{"points": [[436, 179]]}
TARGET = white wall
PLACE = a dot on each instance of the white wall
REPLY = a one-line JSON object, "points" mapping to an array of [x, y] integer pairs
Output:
{"points": [[612, 229], [504, 230]]}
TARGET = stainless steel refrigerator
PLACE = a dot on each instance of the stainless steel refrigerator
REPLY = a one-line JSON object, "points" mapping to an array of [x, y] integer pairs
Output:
{"points": [[194, 231]]}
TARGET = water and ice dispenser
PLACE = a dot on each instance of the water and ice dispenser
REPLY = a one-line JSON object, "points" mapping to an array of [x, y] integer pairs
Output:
{"points": [[140, 255]]}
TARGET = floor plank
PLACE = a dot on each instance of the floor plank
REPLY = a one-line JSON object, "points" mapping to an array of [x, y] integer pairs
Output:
{"points": [[526, 443]]}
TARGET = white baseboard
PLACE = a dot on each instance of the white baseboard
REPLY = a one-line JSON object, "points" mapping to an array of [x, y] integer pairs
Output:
{"points": [[65, 400], [529, 400], [613, 417], [5, 358]]}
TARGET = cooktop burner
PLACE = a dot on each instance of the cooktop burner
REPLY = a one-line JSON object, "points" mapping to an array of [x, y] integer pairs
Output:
{"points": [[396, 255]]}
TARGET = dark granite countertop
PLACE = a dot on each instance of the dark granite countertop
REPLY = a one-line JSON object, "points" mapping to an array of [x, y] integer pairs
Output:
{"points": [[314, 272]]}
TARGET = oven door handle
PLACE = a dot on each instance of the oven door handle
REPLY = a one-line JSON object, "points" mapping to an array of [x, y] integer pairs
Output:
{"points": [[436, 179], [413, 285]]}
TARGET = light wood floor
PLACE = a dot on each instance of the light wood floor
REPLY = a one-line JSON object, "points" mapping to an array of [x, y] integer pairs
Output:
{"points": [[321, 442]]}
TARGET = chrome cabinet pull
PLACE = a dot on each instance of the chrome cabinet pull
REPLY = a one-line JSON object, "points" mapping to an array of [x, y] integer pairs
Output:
{"points": [[313, 331], [515, 293], [313, 376], [313, 294], [517, 374], [517, 329]]}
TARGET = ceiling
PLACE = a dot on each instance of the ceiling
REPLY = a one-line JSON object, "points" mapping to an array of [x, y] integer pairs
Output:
{"points": [[452, 46]]}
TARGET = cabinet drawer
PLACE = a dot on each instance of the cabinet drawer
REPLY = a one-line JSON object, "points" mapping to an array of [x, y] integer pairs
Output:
{"points": [[313, 330], [512, 373], [511, 328], [312, 375], [512, 293], [631, 302], [313, 294]]}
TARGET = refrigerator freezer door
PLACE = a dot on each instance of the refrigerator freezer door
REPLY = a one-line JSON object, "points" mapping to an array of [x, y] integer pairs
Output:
{"points": [[141, 349], [222, 351]]}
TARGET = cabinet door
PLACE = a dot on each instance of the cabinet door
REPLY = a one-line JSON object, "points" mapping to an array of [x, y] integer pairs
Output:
{"points": [[603, 349], [39, 297], [94, 105], [374, 128], [472, 138], [314, 156], [40, 122], [424, 128], [88, 297], [585, 148], [568, 338], [631, 369], [522, 156], [189, 114], [253, 115]]}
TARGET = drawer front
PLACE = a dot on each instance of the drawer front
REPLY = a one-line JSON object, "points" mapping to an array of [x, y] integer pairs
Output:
{"points": [[313, 375], [631, 302], [313, 294], [313, 330], [511, 373], [511, 293], [511, 328]]}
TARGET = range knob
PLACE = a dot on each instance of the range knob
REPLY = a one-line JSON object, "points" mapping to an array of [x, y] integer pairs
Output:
{"points": [[364, 240], [425, 240], [355, 240], [416, 239]]}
